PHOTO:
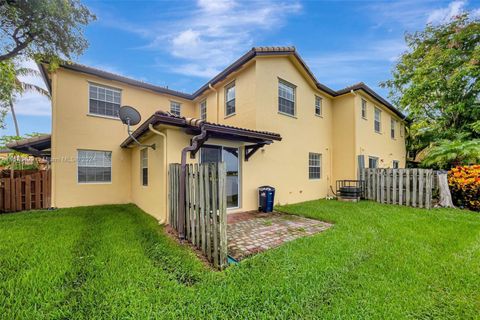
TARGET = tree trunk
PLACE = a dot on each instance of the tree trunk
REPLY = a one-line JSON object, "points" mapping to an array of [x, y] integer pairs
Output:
{"points": [[445, 195], [12, 109]]}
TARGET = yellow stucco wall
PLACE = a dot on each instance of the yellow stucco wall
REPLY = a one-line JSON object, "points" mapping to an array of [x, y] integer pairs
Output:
{"points": [[381, 145], [339, 135], [73, 128]]}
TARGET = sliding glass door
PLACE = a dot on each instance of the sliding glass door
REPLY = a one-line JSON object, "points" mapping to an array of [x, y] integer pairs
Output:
{"points": [[231, 158]]}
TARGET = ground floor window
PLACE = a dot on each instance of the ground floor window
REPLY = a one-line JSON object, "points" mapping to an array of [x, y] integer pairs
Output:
{"points": [[373, 162], [94, 166], [395, 164], [314, 165], [230, 156], [144, 166]]}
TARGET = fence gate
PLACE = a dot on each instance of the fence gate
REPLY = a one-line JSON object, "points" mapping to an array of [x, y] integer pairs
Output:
{"points": [[205, 206], [25, 192], [408, 187]]}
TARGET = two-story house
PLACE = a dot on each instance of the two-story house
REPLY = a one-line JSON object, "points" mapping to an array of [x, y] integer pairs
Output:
{"points": [[268, 118]]}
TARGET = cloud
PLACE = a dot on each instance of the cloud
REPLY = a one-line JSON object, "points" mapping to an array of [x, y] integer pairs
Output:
{"points": [[445, 14], [214, 32], [357, 64], [31, 103]]}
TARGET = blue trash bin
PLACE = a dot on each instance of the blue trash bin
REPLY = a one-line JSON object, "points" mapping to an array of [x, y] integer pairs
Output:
{"points": [[266, 197]]}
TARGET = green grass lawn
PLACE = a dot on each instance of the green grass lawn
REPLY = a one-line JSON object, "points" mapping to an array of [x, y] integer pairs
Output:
{"points": [[378, 261]]}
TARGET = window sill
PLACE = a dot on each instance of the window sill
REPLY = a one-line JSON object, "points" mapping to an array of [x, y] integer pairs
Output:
{"points": [[101, 116], [315, 179], [287, 114], [93, 183], [364, 118], [379, 132], [319, 115], [230, 115]]}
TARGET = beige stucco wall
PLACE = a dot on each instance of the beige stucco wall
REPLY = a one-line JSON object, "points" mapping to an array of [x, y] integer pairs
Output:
{"points": [[344, 161]]}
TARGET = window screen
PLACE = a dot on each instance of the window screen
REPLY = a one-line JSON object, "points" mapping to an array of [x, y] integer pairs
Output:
{"points": [[230, 99], [318, 105], [104, 101], [175, 108], [378, 120], [286, 98], [94, 166], [314, 165], [144, 166], [364, 108], [203, 110]]}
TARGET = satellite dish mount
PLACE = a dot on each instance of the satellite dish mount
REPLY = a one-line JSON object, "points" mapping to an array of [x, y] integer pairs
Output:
{"points": [[130, 116]]}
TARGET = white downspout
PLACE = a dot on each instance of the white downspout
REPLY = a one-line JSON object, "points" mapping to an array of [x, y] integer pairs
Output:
{"points": [[152, 129], [216, 99]]}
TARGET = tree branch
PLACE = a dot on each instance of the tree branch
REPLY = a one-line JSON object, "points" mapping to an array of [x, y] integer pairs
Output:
{"points": [[12, 53]]}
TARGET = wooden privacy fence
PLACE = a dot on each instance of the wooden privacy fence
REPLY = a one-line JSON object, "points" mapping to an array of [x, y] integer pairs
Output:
{"points": [[25, 192], [205, 206], [409, 187]]}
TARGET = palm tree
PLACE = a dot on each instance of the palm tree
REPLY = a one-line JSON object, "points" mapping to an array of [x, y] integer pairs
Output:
{"points": [[23, 87], [447, 154]]}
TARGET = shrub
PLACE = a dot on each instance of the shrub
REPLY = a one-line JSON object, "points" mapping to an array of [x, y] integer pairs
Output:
{"points": [[464, 185]]}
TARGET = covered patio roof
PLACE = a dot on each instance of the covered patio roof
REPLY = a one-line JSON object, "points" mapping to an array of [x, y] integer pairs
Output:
{"points": [[213, 130], [38, 146]]}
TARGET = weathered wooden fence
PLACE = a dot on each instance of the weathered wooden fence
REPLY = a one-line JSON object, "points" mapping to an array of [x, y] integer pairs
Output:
{"points": [[409, 187], [25, 192], [205, 206]]}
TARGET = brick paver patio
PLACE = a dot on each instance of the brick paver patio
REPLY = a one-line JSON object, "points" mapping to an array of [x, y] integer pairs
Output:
{"points": [[249, 233]]}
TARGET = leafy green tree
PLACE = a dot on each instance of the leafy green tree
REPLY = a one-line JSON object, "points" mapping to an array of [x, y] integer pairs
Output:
{"points": [[436, 82], [43, 30]]}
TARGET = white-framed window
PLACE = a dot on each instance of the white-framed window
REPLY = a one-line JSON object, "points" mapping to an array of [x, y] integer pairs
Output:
{"points": [[314, 165], [103, 100], [203, 110], [378, 120], [373, 162], [286, 98], [393, 125], [318, 105], [395, 164], [364, 109], [230, 99], [175, 108], [94, 166], [144, 166]]}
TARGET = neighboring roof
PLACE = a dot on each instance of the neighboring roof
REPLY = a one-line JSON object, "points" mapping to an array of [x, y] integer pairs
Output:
{"points": [[373, 94], [252, 53], [36, 146], [213, 129]]}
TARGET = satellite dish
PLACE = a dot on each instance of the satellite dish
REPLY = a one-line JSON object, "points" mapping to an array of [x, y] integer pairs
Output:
{"points": [[129, 115]]}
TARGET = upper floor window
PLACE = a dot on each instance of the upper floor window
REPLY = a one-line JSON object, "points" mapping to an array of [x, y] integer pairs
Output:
{"points": [[286, 98], [402, 128], [94, 166], [314, 165], [230, 99], [318, 105], [364, 109], [395, 164], [103, 100], [373, 162], [203, 110], [175, 108], [378, 120], [144, 166], [393, 125]]}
